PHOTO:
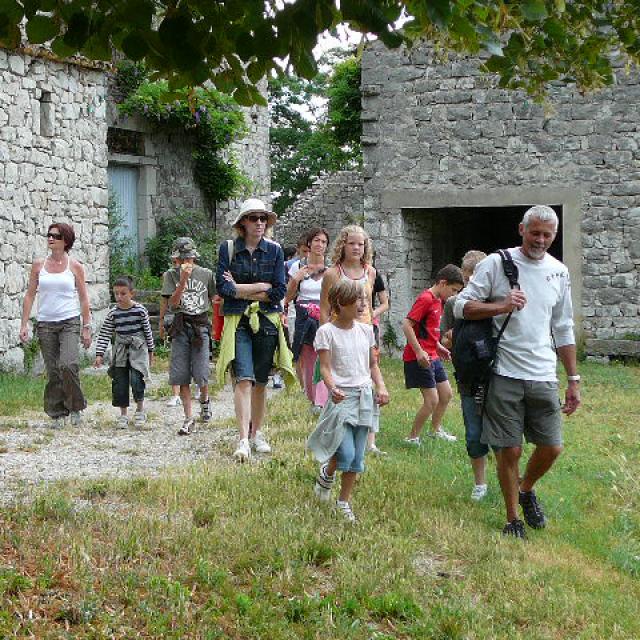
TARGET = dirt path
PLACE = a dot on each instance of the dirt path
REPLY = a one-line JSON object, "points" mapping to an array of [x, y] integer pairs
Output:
{"points": [[32, 453]]}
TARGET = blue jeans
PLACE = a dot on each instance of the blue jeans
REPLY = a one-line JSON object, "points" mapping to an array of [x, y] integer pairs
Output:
{"points": [[350, 453], [472, 427], [254, 351]]}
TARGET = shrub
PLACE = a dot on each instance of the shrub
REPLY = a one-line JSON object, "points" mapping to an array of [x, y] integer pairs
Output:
{"points": [[195, 225]]}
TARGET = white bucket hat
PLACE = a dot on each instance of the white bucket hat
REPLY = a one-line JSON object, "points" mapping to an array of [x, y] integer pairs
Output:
{"points": [[255, 205]]}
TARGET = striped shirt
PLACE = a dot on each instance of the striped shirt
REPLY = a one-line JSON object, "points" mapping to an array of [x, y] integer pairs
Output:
{"points": [[124, 322]]}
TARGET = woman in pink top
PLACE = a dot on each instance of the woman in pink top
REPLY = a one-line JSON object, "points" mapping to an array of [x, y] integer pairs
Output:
{"points": [[60, 282]]}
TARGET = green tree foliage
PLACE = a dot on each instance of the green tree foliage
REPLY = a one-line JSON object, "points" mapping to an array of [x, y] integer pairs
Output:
{"points": [[236, 42], [306, 144], [212, 119]]}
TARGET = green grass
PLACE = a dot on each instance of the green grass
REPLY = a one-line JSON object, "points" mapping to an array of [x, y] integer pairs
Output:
{"points": [[225, 551]]}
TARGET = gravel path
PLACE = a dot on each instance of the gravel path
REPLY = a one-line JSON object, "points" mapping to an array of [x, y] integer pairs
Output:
{"points": [[32, 453]]}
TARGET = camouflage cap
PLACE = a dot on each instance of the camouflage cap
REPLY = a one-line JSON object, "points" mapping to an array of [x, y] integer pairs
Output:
{"points": [[184, 248]]}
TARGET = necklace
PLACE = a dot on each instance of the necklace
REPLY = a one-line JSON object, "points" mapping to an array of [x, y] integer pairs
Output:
{"points": [[56, 261]]}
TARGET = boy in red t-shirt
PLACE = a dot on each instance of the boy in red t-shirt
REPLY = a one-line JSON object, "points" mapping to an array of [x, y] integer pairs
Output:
{"points": [[422, 356]]}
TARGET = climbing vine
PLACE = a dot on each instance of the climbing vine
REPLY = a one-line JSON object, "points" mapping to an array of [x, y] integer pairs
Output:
{"points": [[212, 119]]}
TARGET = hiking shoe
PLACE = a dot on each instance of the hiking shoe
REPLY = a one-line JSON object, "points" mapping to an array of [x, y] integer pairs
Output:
{"points": [[139, 419], [443, 435], [175, 401], [515, 528], [277, 381], [414, 442], [375, 451], [188, 427], [532, 509], [259, 443], [75, 418], [205, 410], [243, 452], [56, 423], [122, 422], [324, 482], [479, 492], [344, 508]]}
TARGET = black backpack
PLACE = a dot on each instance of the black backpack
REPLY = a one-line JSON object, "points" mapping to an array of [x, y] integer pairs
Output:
{"points": [[475, 348]]}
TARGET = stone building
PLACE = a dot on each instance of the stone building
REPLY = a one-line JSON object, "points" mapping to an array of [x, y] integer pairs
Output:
{"points": [[56, 164], [451, 161]]}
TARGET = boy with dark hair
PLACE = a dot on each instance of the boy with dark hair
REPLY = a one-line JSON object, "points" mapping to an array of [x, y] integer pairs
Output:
{"points": [[423, 353], [133, 348]]}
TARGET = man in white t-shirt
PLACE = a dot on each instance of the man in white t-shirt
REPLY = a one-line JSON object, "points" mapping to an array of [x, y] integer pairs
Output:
{"points": [[522, 399]]}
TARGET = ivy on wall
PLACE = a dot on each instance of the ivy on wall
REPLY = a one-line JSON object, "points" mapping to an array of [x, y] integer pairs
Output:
{"points": [[212, 119]]}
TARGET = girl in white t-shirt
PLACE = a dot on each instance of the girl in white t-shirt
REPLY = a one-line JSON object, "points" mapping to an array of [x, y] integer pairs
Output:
{"points": [[350, 370]]}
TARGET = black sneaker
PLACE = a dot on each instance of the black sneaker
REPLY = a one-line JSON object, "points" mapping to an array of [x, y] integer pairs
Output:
{"points": [[532, 509], [515, 528], [187, 427]]}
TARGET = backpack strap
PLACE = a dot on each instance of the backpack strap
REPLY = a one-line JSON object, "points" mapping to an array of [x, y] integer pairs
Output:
{"points": [[511, 271], [231, 250]]}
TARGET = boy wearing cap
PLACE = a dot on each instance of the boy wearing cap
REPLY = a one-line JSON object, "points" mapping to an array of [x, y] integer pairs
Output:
{"points": [[189, 290]]}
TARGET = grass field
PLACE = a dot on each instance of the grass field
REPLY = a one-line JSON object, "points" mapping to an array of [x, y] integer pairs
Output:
{"points": [[227, 551]]}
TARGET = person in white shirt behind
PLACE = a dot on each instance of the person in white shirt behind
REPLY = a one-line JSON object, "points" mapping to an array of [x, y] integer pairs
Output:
{"points": [[522, 398]]}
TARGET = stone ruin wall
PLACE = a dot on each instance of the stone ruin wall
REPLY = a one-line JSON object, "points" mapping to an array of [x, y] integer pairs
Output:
{"points": [[332, 202], [444, 134], [53, 167]]}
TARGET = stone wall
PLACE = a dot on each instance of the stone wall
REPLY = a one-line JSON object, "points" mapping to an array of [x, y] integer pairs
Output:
{"points": [[53, 167], [333, 201], [165, 164], [443, 134]]}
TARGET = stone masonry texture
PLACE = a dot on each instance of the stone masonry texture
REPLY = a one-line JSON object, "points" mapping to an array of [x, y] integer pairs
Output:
{"points": [[438, 133]]}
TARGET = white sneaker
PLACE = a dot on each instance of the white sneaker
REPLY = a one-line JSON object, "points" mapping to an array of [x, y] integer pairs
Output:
{"points": [[259, 443], [122, 422], [479, 492], [174, 402], [344, 508], [243, 452], [139, 419], [415, 442], [375, 451], [75, 418], [323, 485], [443, 435], [278, 382]]}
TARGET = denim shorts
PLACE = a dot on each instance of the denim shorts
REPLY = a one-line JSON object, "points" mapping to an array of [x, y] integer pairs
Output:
{"points": [[417, 377], [350, 453], [254, 351], [473, 427]]}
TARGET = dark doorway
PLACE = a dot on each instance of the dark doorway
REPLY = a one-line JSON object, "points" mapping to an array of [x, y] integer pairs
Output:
{"points": [[456, 230]]}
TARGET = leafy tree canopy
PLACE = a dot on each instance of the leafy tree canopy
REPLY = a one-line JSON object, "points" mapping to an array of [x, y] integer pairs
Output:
{"points": [[315, 127], [234, 43]]}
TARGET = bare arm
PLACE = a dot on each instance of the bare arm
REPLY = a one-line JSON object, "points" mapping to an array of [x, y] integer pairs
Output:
{"points": [[383, 307], [294, 283], [382, 395], [330, 278], [163, 310], [476, 310], [567, 355], [337, 395], [83, 295], [409, 330], [29, 297]]}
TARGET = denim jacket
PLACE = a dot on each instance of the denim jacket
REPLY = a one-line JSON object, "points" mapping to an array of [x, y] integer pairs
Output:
{"points": [[265, 264]]}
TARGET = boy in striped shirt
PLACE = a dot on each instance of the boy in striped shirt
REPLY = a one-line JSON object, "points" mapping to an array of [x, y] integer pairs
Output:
{"points": [[133, 349]]}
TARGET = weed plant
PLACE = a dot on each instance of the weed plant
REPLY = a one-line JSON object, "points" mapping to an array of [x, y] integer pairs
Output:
{"points": [[220, 550]]}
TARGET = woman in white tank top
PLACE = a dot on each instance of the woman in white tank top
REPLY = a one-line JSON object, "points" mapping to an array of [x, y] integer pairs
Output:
{"points": [[60, 283]]}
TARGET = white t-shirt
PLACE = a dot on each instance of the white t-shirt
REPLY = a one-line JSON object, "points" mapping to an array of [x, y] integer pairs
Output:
{"points": [[526, 348], [309, 288], [350, 350]]}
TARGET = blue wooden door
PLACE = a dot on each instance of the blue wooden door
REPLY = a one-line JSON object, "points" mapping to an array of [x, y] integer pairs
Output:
{"points": [[123, 190]]}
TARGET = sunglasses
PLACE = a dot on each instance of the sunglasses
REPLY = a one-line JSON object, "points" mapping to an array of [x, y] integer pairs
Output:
{"points": [[55, 236], [258, 218]]}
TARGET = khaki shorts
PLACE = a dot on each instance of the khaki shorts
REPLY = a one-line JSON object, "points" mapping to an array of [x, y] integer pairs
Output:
{"points": [[516, 407]]}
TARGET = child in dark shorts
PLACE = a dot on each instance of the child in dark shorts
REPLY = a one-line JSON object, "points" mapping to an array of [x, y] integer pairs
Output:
{"points": [[423, 354]]}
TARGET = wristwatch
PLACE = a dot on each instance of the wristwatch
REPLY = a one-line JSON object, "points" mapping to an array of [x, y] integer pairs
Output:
{"points": [[575, 378]]}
